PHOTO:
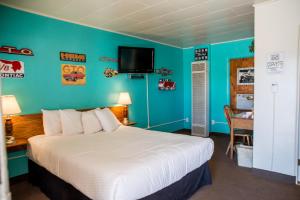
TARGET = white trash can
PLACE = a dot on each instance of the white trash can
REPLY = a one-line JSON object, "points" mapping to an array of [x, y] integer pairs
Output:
{"points": [[244, 155]]}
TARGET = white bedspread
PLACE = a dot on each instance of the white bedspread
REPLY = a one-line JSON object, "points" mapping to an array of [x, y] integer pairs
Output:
{"points": [[129, 163]]}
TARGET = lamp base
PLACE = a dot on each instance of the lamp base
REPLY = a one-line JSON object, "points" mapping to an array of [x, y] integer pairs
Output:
{"points": [[125, 121], [8, 126]]}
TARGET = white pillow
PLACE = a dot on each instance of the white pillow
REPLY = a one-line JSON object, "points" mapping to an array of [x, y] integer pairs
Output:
{"points": [[90, 122], [51, 122], [71, 122], [108, 120]]}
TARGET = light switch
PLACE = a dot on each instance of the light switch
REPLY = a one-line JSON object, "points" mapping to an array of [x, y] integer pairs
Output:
{"points": [[274, 87]]}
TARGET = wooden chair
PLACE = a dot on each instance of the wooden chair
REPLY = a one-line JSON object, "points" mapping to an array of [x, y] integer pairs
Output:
{"points": [[245, 134]]}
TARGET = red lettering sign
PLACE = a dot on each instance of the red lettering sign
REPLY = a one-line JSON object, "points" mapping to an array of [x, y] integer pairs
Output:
{"points": [[14, 50]]}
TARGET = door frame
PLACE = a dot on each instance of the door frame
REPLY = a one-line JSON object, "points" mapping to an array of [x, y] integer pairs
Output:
{"points": [[297, 137]]}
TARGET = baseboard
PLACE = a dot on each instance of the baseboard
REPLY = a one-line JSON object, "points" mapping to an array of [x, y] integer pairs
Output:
{"points": [[183, 131], [188, 132], [219, 134], [274, 176]]}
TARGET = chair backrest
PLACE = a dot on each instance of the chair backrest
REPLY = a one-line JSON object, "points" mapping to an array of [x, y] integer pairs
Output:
{"points": [[228, 114]]}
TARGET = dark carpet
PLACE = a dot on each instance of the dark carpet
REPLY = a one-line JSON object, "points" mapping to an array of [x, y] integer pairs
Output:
{"points": [[230, 182]]}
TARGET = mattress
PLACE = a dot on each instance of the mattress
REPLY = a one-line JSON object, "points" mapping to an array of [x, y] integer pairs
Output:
{"points": [[129, 163]]}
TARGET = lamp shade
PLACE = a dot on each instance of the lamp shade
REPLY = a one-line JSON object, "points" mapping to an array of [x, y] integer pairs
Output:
{"points": [[124, 98], [10, 105]]}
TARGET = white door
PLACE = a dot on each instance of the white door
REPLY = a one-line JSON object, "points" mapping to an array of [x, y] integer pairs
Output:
{"points": [[200, 108]]}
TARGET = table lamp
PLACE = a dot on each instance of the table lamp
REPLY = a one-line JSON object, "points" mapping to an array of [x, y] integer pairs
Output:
{"points": [[10, 107], [125, 100]]}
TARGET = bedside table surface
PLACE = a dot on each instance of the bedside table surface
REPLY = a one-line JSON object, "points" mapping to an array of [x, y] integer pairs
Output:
{"points": [[129, 124], [19, 144]]}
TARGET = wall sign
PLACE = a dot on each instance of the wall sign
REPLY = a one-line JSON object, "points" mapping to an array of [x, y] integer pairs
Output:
{"points": [[166, 84], [245, 76], [14, 50], [75, 57], [201, 54], [11, 69], [164, 71], [108, 72], [107, 59], [73, 74], [275, 62]]}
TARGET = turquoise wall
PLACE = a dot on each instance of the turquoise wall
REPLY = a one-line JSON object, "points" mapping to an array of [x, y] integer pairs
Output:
{"points": [[219, 57], [42, 87]]}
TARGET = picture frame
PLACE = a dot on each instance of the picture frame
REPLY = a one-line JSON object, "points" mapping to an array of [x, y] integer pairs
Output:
{"points": [[245, 76], [73, 74], [201, 54]]}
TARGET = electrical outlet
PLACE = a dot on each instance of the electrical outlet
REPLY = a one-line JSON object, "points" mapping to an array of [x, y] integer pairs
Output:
{"points": [[187, 120], [213, 122]]}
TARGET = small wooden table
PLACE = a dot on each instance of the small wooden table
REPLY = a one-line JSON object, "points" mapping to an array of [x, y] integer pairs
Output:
{"points": [[19, 144], [238, 122]]}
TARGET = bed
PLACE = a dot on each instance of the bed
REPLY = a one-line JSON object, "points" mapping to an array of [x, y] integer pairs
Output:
{"points": [[130, 163]]}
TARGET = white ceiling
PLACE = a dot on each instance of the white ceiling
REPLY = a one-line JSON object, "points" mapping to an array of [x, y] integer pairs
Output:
{"points": [[181, 23]]}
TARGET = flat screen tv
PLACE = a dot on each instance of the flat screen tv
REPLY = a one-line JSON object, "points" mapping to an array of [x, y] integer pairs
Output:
{"points": [[135, 60]]}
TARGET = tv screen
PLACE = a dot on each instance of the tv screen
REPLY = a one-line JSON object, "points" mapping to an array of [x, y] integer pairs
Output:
{"points": [[135, 60]]}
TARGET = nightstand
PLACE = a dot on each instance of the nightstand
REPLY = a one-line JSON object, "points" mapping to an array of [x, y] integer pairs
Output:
{"points": [[19, 144], [129, 124], [17, 157]]}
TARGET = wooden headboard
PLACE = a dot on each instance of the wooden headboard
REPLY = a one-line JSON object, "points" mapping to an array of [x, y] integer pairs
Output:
{"points": [[26, 126]]}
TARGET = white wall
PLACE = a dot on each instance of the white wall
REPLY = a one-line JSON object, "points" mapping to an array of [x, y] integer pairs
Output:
{"points": [[276, 30], [4, 184]]}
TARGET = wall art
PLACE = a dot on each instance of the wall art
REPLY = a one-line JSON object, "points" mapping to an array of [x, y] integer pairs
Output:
{"points": [[244, 101], [245, 76], [107, 59], [201, 54], [251, 47], [14, 50], [73, 74], [11, 69], [166, 84], [108, 72], [275, 62], [164, 71], [74, 57]]}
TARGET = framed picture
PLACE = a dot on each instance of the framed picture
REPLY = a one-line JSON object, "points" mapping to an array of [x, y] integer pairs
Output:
{"points": [[245, 76], [201, 54], [244, 101], [73, 74]]}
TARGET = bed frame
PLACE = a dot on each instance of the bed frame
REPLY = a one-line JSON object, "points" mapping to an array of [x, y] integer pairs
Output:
{"points": [[57, 189]]}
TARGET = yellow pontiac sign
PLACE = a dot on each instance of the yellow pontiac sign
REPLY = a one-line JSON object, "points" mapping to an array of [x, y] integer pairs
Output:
{"points": [[73, 74]]}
